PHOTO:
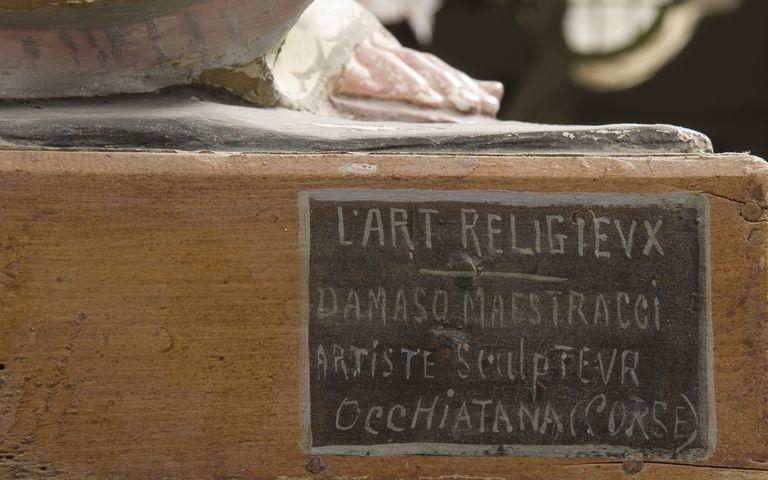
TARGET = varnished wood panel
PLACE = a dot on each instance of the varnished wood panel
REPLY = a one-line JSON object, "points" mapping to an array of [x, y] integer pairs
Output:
{"points": [[151, 310]]}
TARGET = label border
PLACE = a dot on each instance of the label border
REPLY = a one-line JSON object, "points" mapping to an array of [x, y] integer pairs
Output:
{"points": [[698, 201]]}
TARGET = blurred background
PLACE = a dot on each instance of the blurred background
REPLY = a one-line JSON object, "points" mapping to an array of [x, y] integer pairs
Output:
{"points": [[696, 63]]}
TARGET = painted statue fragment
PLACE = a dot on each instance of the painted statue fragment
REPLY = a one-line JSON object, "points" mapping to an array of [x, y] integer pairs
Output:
{"points": [[332, 57]]}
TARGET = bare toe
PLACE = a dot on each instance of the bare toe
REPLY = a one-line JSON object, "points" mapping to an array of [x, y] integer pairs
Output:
{"points": [[493, 88]]}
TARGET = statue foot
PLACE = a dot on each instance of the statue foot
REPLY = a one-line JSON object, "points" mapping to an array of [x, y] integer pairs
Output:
{"points": [[385, 81]]}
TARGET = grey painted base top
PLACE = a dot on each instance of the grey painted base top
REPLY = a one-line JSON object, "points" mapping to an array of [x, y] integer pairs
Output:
{"points": [[188, 120]]}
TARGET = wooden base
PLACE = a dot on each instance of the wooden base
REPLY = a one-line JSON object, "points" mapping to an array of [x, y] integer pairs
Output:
{"points": [[151, 310]]}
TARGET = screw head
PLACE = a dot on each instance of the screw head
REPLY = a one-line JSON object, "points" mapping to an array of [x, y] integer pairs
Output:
{"points": [[633, 463], [467, 265], [756, 237], [316, 464], [752, 212]]}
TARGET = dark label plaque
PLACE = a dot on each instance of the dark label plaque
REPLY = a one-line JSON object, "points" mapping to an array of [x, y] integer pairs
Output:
{"points": [[506, 323]]}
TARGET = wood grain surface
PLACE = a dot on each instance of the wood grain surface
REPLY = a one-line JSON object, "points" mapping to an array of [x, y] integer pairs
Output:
{"points": [[150, 310]]}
